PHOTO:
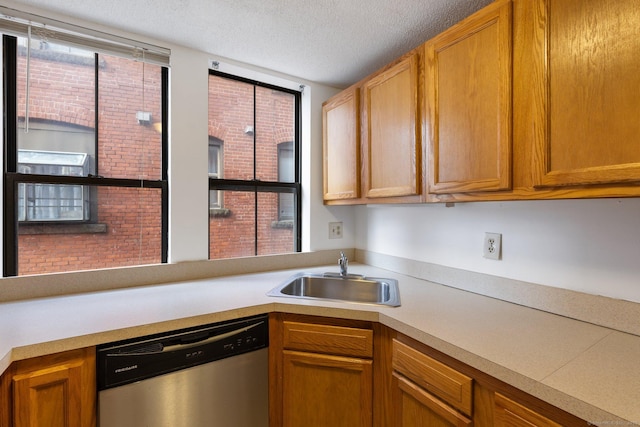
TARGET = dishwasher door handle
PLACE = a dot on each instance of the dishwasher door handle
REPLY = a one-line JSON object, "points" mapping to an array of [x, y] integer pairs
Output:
{"points": [[176, 347]]}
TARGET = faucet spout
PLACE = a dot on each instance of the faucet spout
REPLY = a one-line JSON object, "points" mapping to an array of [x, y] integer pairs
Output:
{"points": [[343, 263]]}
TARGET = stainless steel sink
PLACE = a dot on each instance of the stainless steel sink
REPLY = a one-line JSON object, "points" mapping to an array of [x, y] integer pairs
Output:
{"points": [[333, 286]]}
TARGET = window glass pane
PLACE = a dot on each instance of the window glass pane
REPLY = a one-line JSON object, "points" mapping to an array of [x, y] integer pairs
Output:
{"points": [[256, 127], [274, 236], [130, 114], [80, 114], [215, 158], [215, 202], [231, 120], [61, 92], [128, 231], [275, 124], [233, 235], [52, 202], [286, 162]]}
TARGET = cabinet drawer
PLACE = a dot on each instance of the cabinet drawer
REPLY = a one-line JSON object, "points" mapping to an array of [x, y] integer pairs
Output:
{"points": [[448, 384], [338, 340], [510, 413]]}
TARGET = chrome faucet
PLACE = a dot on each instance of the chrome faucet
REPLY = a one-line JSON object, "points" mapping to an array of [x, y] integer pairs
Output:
{"points": [[343, 263]]}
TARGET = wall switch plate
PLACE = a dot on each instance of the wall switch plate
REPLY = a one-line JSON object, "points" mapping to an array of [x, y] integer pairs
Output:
{"points": [[335, 230], [492, 246]]}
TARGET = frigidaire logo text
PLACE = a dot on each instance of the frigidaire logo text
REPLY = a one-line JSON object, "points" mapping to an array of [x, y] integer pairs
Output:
{"points": [[126, 368]]}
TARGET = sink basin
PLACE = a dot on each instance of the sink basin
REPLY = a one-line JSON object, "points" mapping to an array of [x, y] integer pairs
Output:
{"points": [[332, 286]]}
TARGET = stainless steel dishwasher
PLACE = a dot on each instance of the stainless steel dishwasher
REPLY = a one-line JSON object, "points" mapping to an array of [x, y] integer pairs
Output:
{"points": [[214, 376]]}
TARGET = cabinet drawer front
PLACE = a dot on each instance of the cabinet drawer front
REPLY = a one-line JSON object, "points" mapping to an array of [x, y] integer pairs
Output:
{"points": [[416, 406], [446, 383], [337, 340], [509, 413]]}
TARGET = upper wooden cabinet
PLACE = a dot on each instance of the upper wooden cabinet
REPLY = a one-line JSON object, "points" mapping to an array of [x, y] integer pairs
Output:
{"points": [[525, 99], [583, 69], [391, 134], [341, 146], [468, 76]]}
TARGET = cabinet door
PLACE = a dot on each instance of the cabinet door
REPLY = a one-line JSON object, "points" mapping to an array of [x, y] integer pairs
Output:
{"points": [[415, 407], [391, 134], [322, 390], [508, 413], [586, 54], [341, 146], [57, 390], [468, 103]]}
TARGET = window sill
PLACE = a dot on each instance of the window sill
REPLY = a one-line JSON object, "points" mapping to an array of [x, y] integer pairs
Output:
{"points": [[219, 213], [32, 229], [284, 224]]}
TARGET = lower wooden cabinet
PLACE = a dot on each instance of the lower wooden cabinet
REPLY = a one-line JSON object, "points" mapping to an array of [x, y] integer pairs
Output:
{"points": [[432, 389], [338, 372], [54, 390], [321, 372]]}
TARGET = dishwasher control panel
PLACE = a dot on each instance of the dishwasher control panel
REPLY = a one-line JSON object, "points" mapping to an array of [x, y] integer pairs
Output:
{"points": [[136, 359]]}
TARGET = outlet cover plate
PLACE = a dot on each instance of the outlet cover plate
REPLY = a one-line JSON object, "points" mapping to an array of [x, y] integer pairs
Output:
{"points": [[335, 230], [492, 248]]}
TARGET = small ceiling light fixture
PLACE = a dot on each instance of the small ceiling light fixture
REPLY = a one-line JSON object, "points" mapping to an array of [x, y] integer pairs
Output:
{"points": [[144, 118], [248, 130]]}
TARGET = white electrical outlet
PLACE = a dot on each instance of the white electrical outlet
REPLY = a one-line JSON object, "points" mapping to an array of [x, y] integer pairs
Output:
{"points": [[492, 245], [335, 230]]}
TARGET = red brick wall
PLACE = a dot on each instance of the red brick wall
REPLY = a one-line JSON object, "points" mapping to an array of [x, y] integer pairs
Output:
{"points": [[62, 92]]}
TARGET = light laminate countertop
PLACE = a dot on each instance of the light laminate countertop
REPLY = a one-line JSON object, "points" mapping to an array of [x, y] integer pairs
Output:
{"points": [[587, 370]]}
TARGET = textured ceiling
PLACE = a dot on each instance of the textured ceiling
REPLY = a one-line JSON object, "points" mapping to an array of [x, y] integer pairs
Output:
{"points": [[333, 42]]}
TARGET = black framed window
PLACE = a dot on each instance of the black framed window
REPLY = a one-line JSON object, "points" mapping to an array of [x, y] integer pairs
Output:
{"points": [[85, 173], [259, 176]]}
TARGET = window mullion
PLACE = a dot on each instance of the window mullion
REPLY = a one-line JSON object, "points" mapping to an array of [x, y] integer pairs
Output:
{"points": [[97, 113], [255, 177]]}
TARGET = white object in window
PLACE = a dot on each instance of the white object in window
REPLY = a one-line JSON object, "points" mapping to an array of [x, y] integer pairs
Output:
{"points": [[52, 202], [215, 171]]}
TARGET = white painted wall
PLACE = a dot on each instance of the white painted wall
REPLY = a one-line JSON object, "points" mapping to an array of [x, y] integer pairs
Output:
{"points": [[591, 246]]}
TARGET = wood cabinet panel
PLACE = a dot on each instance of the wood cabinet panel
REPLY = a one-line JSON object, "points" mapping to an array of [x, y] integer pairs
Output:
{"points": [[338, 340], [416, 407], [323, 390], [391, 136], [587, 54], [468, 103], [55, 390], [341, 146], [511, 414], [448, 384]]}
